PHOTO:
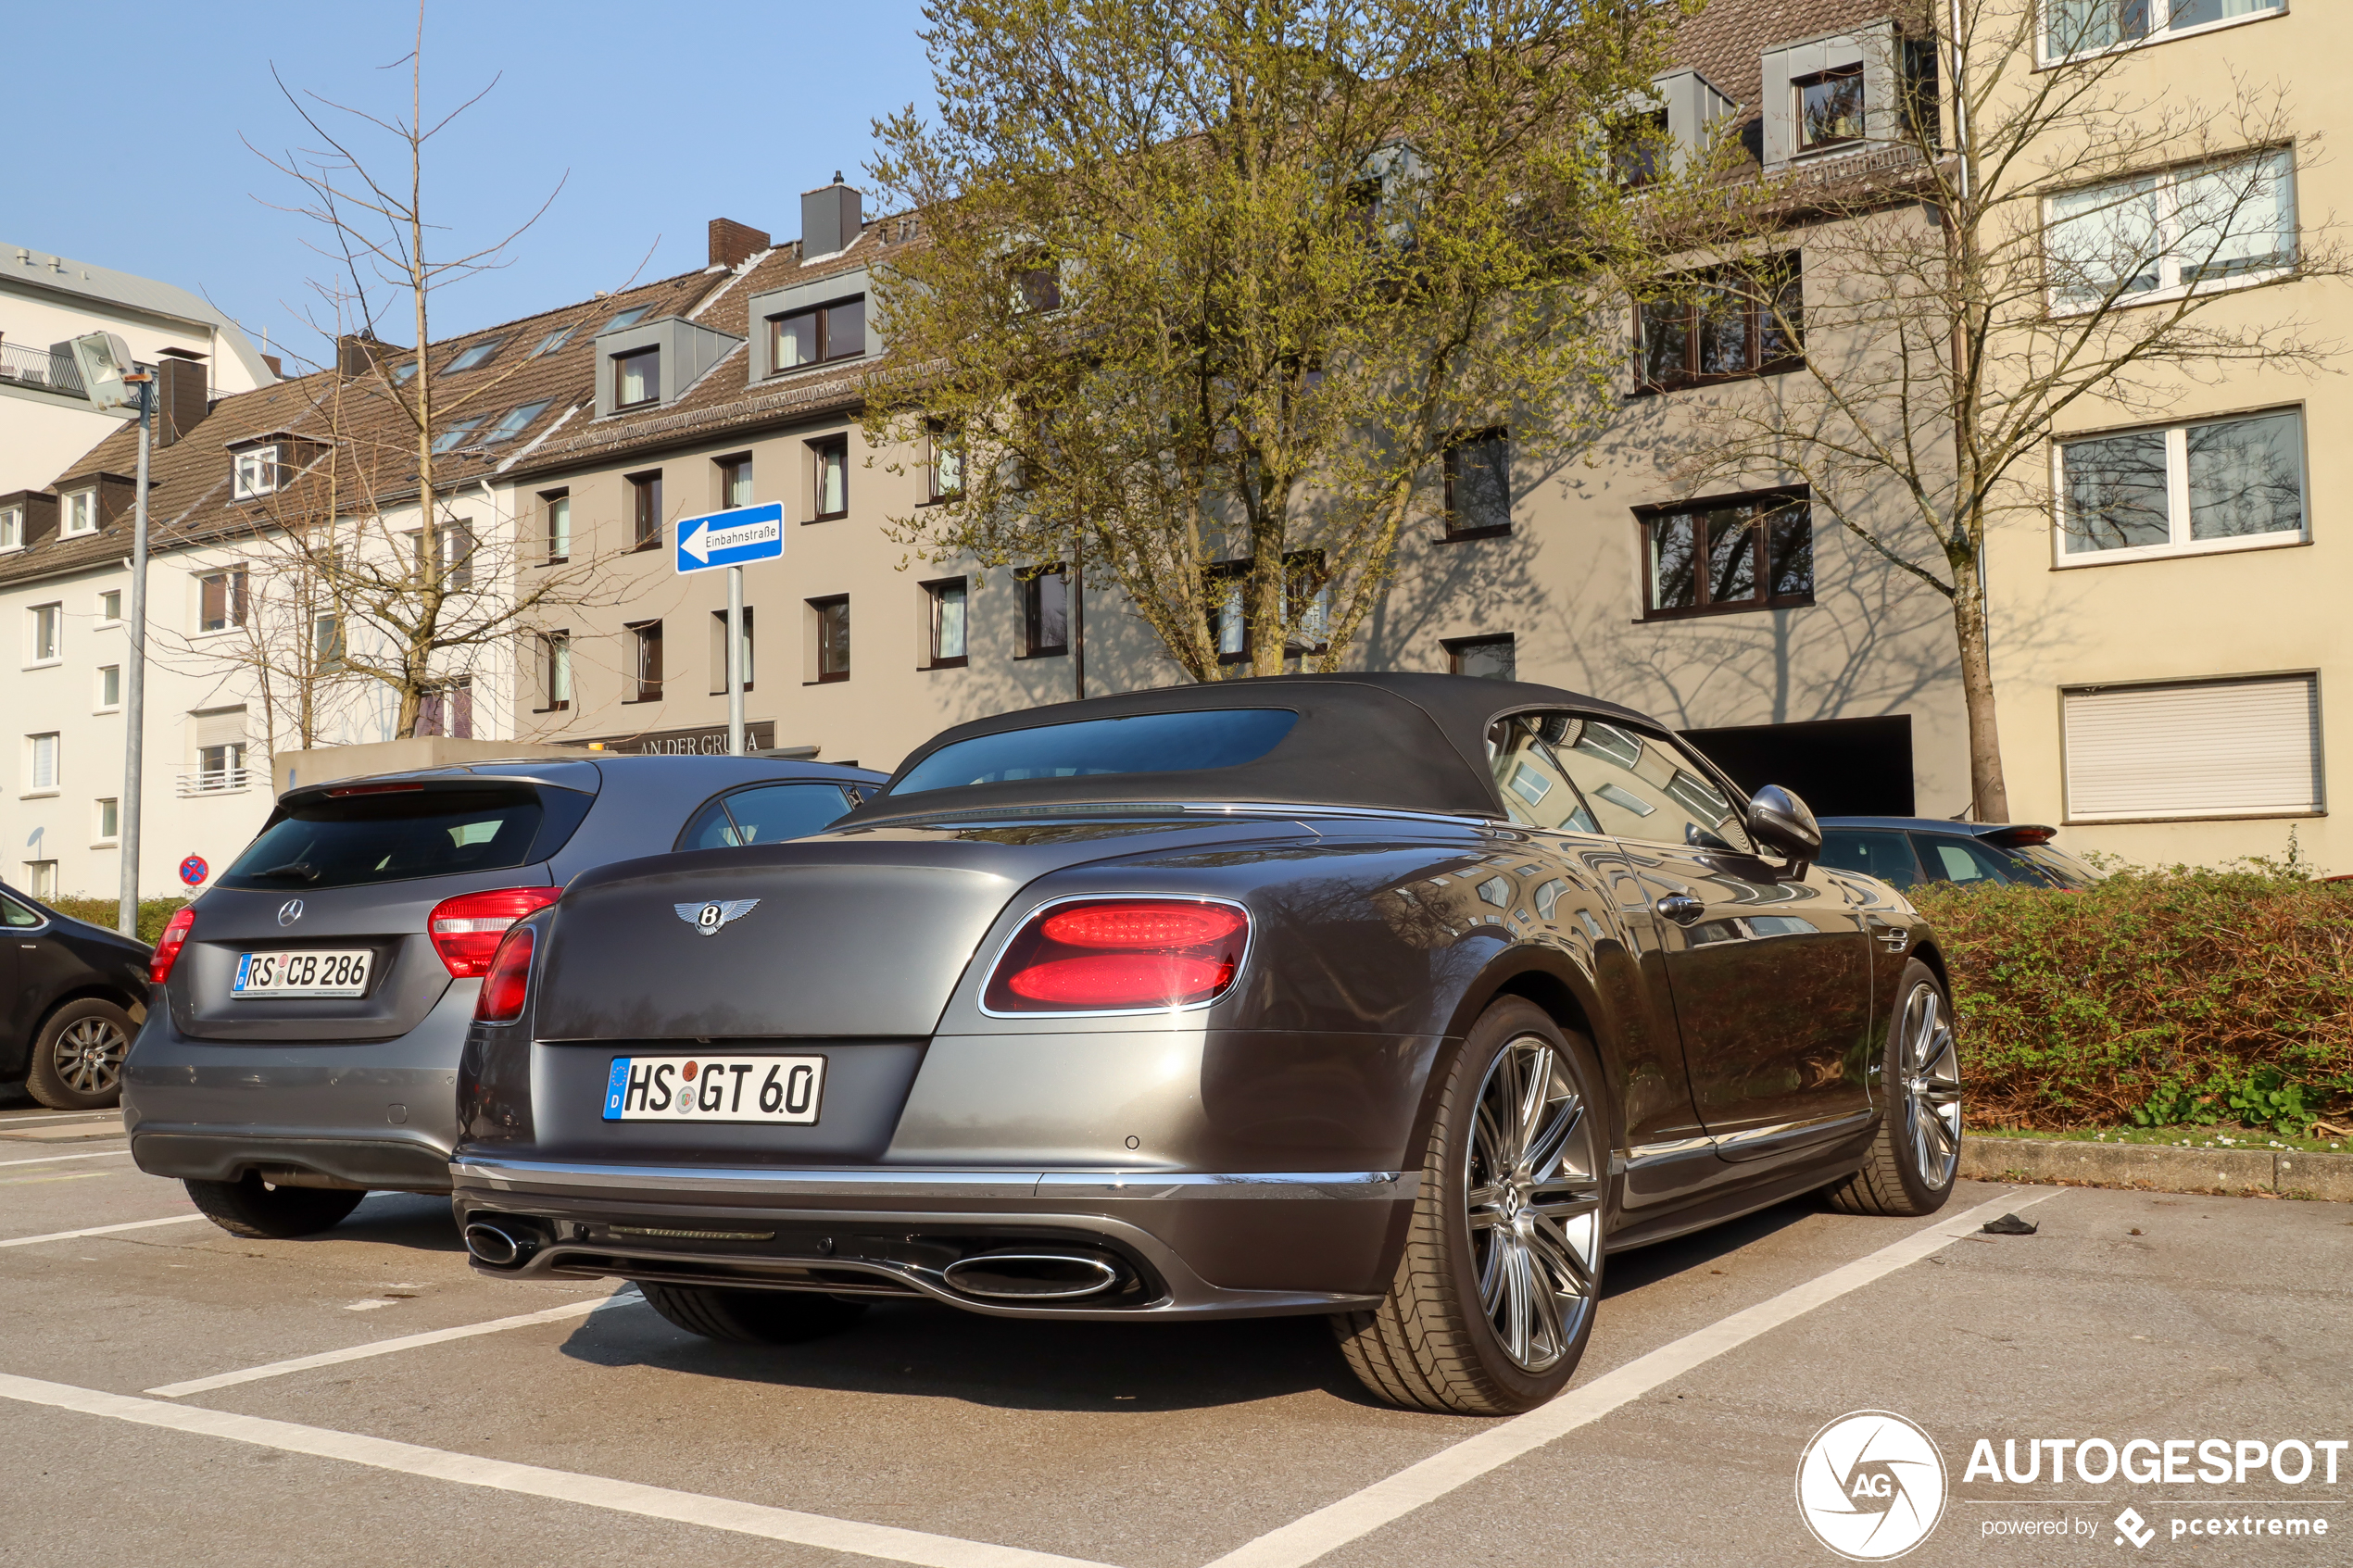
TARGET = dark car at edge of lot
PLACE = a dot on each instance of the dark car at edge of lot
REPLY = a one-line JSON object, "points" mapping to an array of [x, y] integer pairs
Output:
{"points": [[1400, 999], [74, 994], [1906, 851], [308, 1011]]}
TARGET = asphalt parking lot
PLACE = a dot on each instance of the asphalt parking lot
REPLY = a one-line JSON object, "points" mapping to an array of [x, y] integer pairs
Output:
{"points": [[171, 1393]]}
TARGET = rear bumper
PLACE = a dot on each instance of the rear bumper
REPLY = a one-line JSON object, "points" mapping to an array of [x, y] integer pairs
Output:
{"points": [[1194, 1244], [381, 1115]]}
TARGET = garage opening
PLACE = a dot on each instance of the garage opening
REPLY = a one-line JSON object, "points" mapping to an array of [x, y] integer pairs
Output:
{"points": [[1839, 767]]}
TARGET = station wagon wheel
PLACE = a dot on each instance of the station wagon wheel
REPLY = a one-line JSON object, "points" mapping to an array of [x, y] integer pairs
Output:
{"points": [[1916, 1152], [1494, 1297], [77, 1061]]}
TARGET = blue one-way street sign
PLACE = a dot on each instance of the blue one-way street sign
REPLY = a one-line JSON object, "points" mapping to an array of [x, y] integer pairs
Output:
{"points": [[747, 534]]}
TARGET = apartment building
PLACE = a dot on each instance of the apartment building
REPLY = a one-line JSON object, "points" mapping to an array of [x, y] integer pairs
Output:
{"points": [[47, 301]]}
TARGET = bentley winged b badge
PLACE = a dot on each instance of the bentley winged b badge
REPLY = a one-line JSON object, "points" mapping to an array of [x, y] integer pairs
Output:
{"points": [[708, 918]]}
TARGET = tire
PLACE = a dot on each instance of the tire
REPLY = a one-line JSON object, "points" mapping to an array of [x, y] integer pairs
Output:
{"points": [[77, 1057], [1494, 1295], [751, 1317], [1916, 1151], [259, 1211]]}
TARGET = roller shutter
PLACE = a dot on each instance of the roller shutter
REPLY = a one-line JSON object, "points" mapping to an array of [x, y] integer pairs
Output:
{"points": [[220, 726], [2218, 748]]}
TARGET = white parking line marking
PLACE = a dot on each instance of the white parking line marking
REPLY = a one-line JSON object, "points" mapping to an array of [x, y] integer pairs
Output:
{"points": [[626, 1297], [57, 1116], [1336, 1525], [98, 1230], [57, 1177], [885, 1541], [53, 1159]]}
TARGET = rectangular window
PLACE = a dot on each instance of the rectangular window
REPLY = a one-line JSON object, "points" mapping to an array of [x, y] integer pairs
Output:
{"points": [[555, 669], [1749, 553], [222, 600], [1478, 485], [2088, 27], [515, 421], [1036, 288], [2207, 749], [832, 617], [109, 686], [474, 357], [1493, 659], [734, 482], [2184, 229], [553, 340], [48, 633], [109, 607], [628, 317], [456, 434], [12, 529], [718, 651], [943, 610], [645, 509], [41, 878], [557, 507], [2215, 484], [254, 472], [646, 635], [82, 509], [1830, 108], [447, 709], [326, 641], [636, 378], [456, 539], [221, 765], [831, 465], [109, 821], [41, 761], [1641, 148], [814, 336], [1723, 322], [1045, 611], [946, 468]]}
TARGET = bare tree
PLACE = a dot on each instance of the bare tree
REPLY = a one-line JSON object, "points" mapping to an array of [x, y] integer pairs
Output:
{"points": [[2055, 244]]}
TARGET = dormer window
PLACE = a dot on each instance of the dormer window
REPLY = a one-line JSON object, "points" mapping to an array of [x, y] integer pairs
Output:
{"points": [[81, 513], [1830, 108], [476, 356], [636, 378], [256, 472], [1038, 288], [813, 337], [12, 528]]}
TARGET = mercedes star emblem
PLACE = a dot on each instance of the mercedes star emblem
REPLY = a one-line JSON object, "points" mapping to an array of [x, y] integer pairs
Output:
{"points": [[290, 911]]}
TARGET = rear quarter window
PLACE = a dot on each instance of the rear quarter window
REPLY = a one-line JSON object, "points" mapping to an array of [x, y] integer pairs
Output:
{"points": [[1883, 854], [352, 841], [763, 815]]}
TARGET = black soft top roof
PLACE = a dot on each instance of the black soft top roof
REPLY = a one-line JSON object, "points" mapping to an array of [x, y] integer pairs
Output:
{"points": [[1411, 743]]}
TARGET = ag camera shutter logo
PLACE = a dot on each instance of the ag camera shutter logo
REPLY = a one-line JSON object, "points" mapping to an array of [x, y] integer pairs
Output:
{"points": [[1870, 1485]]}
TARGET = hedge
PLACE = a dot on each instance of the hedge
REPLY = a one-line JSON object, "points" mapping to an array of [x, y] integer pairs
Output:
{"points": [[2153, 997], [153, 913]]}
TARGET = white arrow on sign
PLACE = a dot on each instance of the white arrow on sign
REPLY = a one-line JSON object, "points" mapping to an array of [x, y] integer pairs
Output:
{"points": [[702, 542]]}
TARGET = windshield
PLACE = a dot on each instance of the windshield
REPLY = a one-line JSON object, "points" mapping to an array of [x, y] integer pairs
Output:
{"points": [[1148, 743], [388, 838]]}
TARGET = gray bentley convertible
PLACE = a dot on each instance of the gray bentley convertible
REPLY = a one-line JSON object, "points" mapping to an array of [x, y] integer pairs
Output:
{"points": [[1403, 999]]}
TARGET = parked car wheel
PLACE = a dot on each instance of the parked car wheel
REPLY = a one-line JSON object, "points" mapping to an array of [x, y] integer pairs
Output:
{"points": [[77, 1057], [258, 1211], [751, 1317], [1495, 1295], [1917, 1152]]}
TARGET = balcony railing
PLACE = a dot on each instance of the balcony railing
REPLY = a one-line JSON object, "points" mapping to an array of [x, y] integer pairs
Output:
{"points": [[25, 366], [193, 781]]}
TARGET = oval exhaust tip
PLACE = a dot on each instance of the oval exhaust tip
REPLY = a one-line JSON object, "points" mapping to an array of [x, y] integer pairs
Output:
{"points": [[1032, 1276], [492, 1245]]}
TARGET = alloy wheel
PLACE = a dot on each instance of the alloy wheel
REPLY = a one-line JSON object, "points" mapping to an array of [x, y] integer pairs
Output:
{"points": [[89, 1056], [1932, 1085], [1532, 1189]]}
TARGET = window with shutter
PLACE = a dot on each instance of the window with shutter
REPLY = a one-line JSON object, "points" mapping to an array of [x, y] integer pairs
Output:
{"points": [[2212, 749]]}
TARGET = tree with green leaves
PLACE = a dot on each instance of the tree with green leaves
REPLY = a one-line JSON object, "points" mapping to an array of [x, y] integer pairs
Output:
{"points": [[1206, 288]]}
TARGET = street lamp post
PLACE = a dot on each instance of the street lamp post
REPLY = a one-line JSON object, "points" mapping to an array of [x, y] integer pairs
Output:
{"points": [[112, 379]]}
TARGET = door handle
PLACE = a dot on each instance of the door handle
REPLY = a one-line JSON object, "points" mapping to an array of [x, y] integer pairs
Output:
{"points": [[1680, 908]]}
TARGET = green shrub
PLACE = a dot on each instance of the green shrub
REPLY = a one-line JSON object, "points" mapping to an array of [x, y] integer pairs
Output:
{"points": [[2154, 998], [153, 913]]}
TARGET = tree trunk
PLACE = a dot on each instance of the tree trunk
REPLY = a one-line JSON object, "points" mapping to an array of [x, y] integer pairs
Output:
{"points": [[1989, 797]]}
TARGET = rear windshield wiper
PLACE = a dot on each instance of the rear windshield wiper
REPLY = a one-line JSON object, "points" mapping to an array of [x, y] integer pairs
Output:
{"points": [[302, 871]]}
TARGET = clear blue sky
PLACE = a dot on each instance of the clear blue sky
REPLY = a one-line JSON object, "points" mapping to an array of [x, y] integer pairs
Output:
{"points": [[665, 116]]}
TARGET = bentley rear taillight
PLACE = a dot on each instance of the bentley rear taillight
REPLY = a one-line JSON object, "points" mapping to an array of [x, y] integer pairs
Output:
{"points": [[509, 986], [1120, 955], [167, 953], [466, 930]]}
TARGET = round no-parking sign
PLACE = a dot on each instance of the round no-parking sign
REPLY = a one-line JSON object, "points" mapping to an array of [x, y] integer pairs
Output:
{"points": [[193, 871]]}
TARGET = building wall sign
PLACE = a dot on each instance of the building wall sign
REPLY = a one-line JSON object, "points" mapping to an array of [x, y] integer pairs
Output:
{"points": [[759, 735]]}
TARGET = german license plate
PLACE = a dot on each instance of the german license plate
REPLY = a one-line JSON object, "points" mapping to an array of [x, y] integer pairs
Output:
{"points": [[308, 974], [715, 1088]]}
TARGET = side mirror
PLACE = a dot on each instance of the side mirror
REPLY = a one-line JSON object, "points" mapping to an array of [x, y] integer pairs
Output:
{"points": [[1780, 822]]}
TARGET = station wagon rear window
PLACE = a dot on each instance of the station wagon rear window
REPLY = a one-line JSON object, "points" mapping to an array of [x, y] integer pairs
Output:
{"points": [[359, 839], [1143, 743]]}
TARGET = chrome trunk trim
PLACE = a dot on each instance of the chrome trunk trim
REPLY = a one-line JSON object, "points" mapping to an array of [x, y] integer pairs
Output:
{"points": [[873, 1182]]}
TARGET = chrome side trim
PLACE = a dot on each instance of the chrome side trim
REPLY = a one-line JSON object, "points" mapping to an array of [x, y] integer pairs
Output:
{"points": [[870, 1182], [1826, 1125], [1674, 1148]]}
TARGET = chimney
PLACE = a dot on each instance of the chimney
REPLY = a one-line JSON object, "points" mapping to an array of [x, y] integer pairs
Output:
{"points": [[182, 399], [356, 353], [732, 243], [830, 219], [277, 366]]}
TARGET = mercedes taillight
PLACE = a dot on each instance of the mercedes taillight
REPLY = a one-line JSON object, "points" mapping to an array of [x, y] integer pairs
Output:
{"points": [[175, 936], [1120, 955]]}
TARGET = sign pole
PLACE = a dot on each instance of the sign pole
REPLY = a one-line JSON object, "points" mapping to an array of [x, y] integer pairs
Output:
{"points": [[734, 661], [134, 703]]}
